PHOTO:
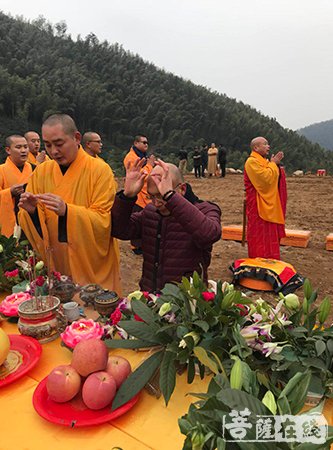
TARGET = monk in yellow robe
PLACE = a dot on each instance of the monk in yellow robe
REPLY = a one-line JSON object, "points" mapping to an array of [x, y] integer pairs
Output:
{"points": [[138, 151], [266, 198], [212, 160], [14, 174], [65, 211], [92, 143], [35, 156]]}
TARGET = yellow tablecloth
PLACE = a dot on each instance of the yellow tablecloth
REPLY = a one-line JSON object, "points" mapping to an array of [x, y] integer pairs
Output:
{"points": [[148, 425]]}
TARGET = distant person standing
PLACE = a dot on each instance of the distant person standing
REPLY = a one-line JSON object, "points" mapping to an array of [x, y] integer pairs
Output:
{"points": [[204, 159], [139, 150], [197, 163], [222, 158], [212, 160], [35, 156], [266, 198], [182, 155], [92, 143]]}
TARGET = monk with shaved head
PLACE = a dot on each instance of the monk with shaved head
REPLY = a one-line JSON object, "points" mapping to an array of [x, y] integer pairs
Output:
{"points": [[177, 229], [65, 211], [35, 155], [266, 197], [92, 143]]}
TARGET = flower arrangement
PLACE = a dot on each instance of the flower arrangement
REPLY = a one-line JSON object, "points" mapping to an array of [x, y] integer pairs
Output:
{"points": [[190, 326], [11, 250]]}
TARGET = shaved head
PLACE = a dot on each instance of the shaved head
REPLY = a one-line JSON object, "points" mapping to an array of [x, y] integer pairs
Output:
{"points": [[176, 175], [256, 141], [10, 139], [64, 120], [260, 145]]}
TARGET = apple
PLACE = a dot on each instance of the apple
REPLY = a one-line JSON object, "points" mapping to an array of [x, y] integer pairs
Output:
{"points": [[99, 390], [89, 356], [119, 368], [63, 383], [4, 346]]}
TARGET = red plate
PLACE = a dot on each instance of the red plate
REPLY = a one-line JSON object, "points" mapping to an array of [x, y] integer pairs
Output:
{"points": [[27, 348], [74, 413]]}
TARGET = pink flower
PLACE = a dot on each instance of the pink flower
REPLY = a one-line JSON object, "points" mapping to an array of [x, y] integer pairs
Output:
{"points": [[12, 274], [208, 296], [145, 294], [40, 280], [138, 318], [115, 316], [9, 306], [81, 330]]}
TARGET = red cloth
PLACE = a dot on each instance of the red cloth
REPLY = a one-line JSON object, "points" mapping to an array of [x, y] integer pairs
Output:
{"points": [[263, 238]]}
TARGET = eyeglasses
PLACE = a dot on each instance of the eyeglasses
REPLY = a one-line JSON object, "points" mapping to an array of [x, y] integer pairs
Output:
{"points": [[98, 142], [143, 142]]}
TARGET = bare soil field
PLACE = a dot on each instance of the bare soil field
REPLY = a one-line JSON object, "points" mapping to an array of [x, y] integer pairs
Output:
{"points": [[310, 207]]}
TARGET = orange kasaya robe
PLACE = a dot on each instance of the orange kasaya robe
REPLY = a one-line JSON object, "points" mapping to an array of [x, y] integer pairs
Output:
{"points": [[32, 159], [265, 206], [131, 157], [10, 175], [90, 254]]}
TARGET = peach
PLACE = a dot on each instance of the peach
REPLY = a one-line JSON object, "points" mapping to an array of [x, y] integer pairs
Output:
{"points": [[98, 390], [63, 383], [90, 356], [119, 368]]}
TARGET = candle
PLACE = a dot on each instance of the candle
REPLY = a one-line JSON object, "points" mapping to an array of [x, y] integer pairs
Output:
{"points": [[81, 330], [9, 306]]}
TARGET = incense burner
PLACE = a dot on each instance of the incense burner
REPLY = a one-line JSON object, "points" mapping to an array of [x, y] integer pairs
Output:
{"points": [[41, 319]]}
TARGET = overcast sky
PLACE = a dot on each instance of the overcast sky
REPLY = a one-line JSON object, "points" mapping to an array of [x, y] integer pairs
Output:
{"points": [[275, 55]]}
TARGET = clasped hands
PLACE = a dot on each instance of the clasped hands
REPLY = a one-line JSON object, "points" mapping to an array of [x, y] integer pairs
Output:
{"points": [[136, 176], [28, 201], [277, 158]]}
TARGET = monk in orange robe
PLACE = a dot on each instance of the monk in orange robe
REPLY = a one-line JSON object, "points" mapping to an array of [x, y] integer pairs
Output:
{"points": [[92, 143], [14, 174], [266, 198], [139, 151], [65, 211], [35, 156]]}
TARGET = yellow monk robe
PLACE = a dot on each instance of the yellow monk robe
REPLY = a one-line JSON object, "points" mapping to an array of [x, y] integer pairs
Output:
{"points": [[90, 254], [264, 176], [131, 157], [32, 159], [10, 175]]}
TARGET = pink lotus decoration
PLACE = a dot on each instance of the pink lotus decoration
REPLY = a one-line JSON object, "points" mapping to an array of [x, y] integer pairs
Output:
{"points": [[9, 306], [81, 330]]}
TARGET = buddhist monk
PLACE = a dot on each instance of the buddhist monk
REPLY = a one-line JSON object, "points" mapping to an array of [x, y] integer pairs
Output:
{"points": [[35, 156], [65, 212], [212, 160], [137, 152], [14, 174], [92, 143], [266, 197]]}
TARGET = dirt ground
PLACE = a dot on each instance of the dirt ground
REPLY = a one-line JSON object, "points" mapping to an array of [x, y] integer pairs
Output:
{"points": [[310, 207]]}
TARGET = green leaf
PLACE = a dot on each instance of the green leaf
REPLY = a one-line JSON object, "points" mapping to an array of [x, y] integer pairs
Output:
{"points": [[168, 375], [190, 370], [235, 399], [202, 324], [269, 401], [140, 330], [196, 280], [171, 289], [314, 362], [137, 380], [128, 343], [329, 345], [296, 390], [320, 347], [143, 311], [203, 357]]}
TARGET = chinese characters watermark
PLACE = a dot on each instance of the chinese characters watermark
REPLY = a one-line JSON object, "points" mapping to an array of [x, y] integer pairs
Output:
{"points": [[244, 426]]}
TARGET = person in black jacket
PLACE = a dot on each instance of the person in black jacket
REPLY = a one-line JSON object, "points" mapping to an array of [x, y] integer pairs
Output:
{"points": [[222, 159]]}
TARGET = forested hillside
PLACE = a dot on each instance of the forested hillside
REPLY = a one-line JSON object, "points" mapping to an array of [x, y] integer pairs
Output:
{"points": [[118, 94], [321, 133]]}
